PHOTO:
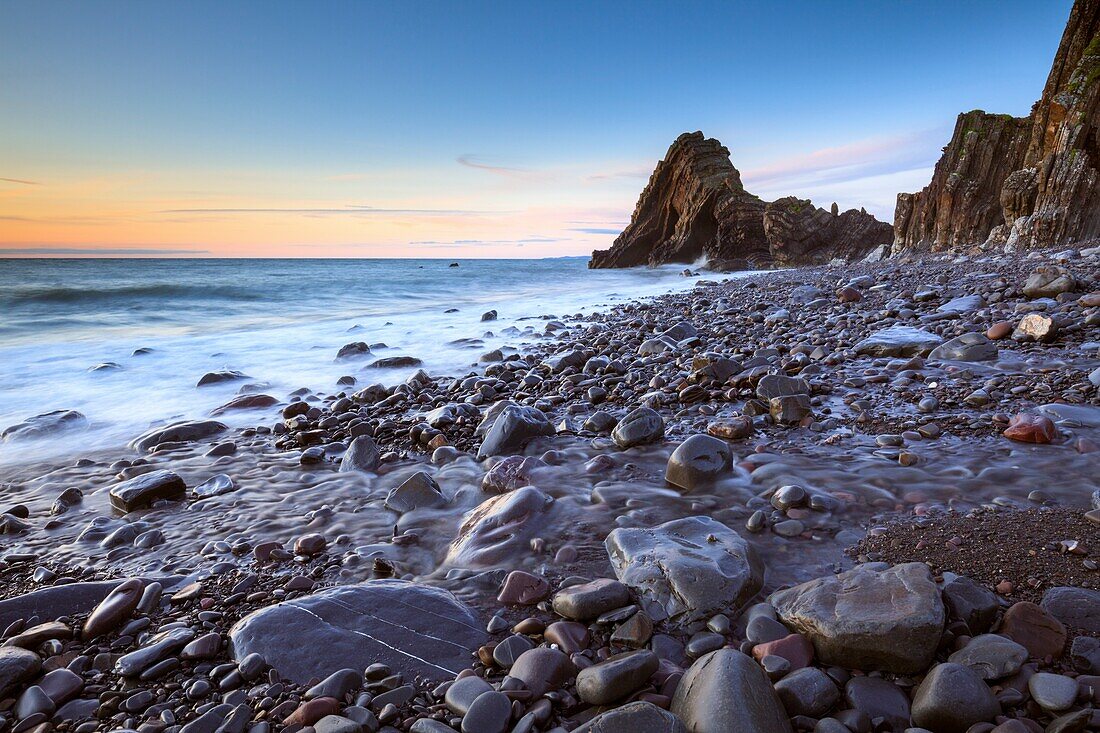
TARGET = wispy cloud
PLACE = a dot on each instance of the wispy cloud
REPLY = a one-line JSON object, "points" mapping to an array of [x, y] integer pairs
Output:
{"points": [[20, 181], [639, 172], [595, 230], [852, 161], [350, 210], [98, 251]]}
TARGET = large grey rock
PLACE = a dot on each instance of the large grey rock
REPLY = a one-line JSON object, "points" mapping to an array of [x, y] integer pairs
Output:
{"points": [[499, 528], [616, 677], [141, 491], [727, 692], [415, 628], [899, 341], [44, 426], [587, 601], [181, 432], [1078, 608], [638, 427], [1049, 281], [870, 617], [361, 455], [686, 570], [698, 461], [967, 347], [992, 656], [951, 698], [418, 491], [514, 428], [780, 385], [807, 691], [16, 665], [634, 717]]}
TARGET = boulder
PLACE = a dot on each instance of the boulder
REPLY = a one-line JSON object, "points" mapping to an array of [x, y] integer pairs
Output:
{"points": [[44, 426], [967, 347], [187, 431], [727, 692], [1049, 281], [640, 426], [871, 617], [141, 491], [698, 461], [1078, 608], [499, 528], [686, 570], [418, 491], [634, 717], [512, 429], [899, 341], [361, 455], [951, 698], [411, 627]]}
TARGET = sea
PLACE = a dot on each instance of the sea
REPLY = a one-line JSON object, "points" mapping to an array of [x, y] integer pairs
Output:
{"points": [[125, 341]]}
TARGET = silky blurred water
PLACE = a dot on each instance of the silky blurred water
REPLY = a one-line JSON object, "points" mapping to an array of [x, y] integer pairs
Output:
{"points": [[279, 321]]}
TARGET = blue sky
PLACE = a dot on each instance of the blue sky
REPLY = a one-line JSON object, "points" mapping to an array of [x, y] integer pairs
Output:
{"points": [[493, 128]]}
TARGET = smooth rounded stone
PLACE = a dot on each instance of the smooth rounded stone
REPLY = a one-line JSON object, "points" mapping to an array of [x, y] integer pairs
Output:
{"points": [[869, 617], [114, 609], [686, 570], [187, 431], [761, 629], [951, 698], [159, 647], [56, 601], [499, 529], [1031, 429], [1036, 630], [971, 603], [513, 429], [900, 341], [362, 455], [878, 698], [967, 347], [33, 701], [542, 669], [727, 692], [807, 691], [616, 677], [521, 588], [419, 629], [591, 600], [427, 725], [638, 427], [1053, 692], [491, 712], [508, 651], [141, 491], [634, 717], [416, 492], [206, 646], [337, 724], [992, 656], [61, 685], [1078, 608], [337, 685], [733, 428], [44, 425], [245, 402], [780, 385], [463, 691], [395, 362], [1049, 281], [789, 409], [698, 461], [570, 636], [217, 485], [703, 642]]}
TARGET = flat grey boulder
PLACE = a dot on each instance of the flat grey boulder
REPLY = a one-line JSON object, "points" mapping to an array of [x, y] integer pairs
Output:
{"points": [[417, 492], [1049, 281], [727, 692], [44, 425], [869, 617], [16, 665], [967, 347], [141, 491], [417, 629], [499, 528], [899, 341], [514, 428], [686, 570], [188, 431], [361, 455], [638, 427], [634, 717], [1075, 607]]}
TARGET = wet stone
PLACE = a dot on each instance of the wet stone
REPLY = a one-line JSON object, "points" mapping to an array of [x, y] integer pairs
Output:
{"points": [[967, 347], [807, 691], [417, 492], [992, 656], [616, 677], [1078, 608], [361, 455], [542, 669], [698, 461], [141, 491], [1054, 692], [416, 628], [878, 698], [491, 712], [1033, 628], [590, 600], [114, 609], [899, 341], [951, 698], [639, 427], [634, 717], [462, 693], [727, 691], [513, 429]]}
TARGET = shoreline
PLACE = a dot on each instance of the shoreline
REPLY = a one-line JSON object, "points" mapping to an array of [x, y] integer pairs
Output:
{"points": [[829, 429]]}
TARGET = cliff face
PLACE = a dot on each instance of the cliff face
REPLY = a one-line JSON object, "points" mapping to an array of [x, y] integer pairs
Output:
{"points": [[1025, 182], [695, 206]]}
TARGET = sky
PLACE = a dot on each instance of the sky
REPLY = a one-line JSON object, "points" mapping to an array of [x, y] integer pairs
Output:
{"points": [[469, 129]]}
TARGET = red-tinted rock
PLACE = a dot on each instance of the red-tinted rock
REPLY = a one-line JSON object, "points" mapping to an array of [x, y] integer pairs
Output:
{"points": [[523, 589], [310, 712], [114, 609], [795, 648], [570, 636], [1033, 628], [1031, 429], [999, 330]]}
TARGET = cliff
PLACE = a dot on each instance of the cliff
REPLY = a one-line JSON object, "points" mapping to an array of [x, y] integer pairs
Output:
{"points": [[695, 206], [1024, 182]]}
